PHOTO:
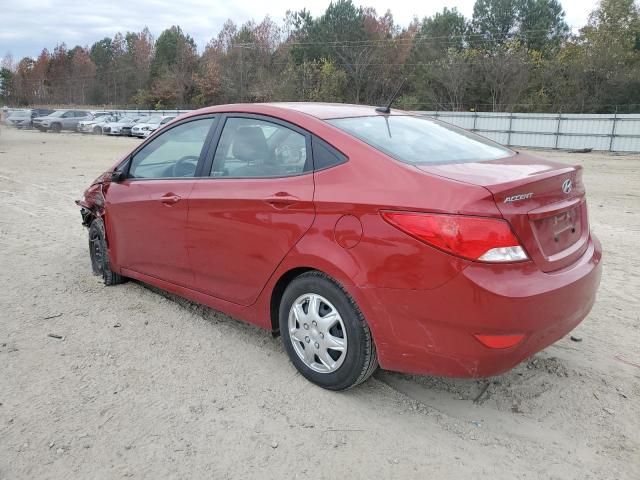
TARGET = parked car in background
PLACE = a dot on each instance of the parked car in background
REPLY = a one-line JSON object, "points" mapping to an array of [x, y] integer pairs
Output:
{"points": [[126, 123], [40, 112], [96, 125], [24, 118], [61, 120], [18, 119], [143, 130], [126, 129]]}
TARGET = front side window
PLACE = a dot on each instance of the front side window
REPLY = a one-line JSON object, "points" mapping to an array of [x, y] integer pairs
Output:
{"points": [[250, 147], [420, 140], [174, 153]]}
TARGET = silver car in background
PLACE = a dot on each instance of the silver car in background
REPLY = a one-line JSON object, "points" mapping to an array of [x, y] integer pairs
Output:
{"points": [[61, 120], [18, 119]]}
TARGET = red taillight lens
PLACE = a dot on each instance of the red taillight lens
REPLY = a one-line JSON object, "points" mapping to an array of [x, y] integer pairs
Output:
{"points": [[474, 238]]}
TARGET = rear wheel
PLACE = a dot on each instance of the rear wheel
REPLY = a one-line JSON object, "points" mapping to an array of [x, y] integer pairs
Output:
{"points": [[325, 334], [97, 131], [100, 255], [56, 128]]}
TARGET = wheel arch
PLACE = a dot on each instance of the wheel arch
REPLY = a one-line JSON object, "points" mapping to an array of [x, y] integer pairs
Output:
{"points": [[278, 290], [287, 275]]}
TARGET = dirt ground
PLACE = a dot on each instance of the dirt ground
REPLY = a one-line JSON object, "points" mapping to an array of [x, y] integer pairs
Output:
{"points": [[145, 385]]}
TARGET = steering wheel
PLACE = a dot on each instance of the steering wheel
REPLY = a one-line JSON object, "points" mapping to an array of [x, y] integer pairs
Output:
{"points": [[185, 167]]}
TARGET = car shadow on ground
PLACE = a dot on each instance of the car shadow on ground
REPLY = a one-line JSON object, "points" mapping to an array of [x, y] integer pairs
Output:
{"points": [[515, 392]]}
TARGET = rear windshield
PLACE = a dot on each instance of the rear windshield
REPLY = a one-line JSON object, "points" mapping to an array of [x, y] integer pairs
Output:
{"points": [[421, 140]]}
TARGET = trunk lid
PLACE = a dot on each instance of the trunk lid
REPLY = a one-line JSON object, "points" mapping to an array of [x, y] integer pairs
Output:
{"points": [[544, 202]]}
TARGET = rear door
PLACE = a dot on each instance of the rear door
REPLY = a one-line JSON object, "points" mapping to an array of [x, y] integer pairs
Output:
{"points": [[254, 207], [147, 212]]}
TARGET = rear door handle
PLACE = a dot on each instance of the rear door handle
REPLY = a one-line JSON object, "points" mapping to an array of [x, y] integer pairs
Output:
{"points": [[170, 199], [282, 200]]}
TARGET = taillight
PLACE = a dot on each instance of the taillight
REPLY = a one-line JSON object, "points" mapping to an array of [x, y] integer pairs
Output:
{"points": [[475, 238]]}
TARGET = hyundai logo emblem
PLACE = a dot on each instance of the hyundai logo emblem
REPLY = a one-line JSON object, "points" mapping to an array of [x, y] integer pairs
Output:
{"points": [[567, 186]]}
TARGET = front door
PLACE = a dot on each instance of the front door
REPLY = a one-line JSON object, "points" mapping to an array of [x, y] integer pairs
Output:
{"points": [[257, 203], [146, 213]]}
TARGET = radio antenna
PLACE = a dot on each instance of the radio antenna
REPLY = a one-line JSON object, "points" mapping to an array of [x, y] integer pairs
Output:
{"points": [[387, 108]]}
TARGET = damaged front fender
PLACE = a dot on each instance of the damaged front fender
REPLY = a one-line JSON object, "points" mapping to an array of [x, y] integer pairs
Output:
{"points": [[92, 202]]}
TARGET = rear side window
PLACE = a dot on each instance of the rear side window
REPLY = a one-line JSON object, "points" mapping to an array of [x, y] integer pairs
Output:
{"points": [[324, 155], [421, 140], [254, 148]]}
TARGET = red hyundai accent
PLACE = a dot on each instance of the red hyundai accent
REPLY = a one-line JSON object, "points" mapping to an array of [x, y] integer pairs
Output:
{"points": [[362, 237]]}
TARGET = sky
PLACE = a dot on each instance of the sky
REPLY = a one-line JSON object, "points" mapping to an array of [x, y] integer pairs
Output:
{"points": [[27, 26]]}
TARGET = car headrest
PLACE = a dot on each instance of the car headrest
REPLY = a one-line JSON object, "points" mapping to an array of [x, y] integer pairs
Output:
{"points": [[249, 144]]}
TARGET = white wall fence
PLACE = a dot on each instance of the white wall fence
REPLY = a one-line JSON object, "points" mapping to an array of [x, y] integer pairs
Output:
{"points": [[611, 132]]}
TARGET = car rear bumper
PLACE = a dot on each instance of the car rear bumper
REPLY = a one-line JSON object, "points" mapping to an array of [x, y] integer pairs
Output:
{"points": [[432, 331]]}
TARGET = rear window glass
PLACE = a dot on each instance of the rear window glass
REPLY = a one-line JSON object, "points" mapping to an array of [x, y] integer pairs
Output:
{"points": [[421, 140]]}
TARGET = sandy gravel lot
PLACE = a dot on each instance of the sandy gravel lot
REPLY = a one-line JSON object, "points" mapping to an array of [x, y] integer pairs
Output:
{"points": [[149, 386]]}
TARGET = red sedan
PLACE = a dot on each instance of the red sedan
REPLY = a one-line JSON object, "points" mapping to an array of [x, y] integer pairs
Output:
{"points": [[362, 237]]}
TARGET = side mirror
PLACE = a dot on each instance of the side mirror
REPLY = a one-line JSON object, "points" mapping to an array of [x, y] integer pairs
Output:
{"points": [[117, 176]]}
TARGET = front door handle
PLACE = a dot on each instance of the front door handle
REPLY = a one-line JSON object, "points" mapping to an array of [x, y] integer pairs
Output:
{"points": [[170, 199]]}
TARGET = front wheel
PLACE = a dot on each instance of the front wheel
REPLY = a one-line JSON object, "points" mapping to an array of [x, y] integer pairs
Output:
{"points": [[325, 334], [56, 128], [100, 255], [97, 131]]}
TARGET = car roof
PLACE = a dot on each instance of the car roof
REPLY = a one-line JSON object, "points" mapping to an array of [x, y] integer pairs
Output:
{"points": [[322, 111]]}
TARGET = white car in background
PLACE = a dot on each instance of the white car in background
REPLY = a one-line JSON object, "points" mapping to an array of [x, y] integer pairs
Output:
{"points": [[124, 125], [96, 125], [143, 130]]}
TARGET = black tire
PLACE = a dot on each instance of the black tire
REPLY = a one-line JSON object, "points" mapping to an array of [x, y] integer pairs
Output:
{"points": [[56, 128], [100, 255], [97, 131], [361, 358]]}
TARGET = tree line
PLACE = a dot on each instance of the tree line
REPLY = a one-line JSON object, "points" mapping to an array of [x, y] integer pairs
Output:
{"points": [[517, 55]]}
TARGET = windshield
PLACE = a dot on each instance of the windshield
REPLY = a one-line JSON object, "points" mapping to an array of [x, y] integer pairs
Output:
{"points": [[421, 140], [153, 120]]}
